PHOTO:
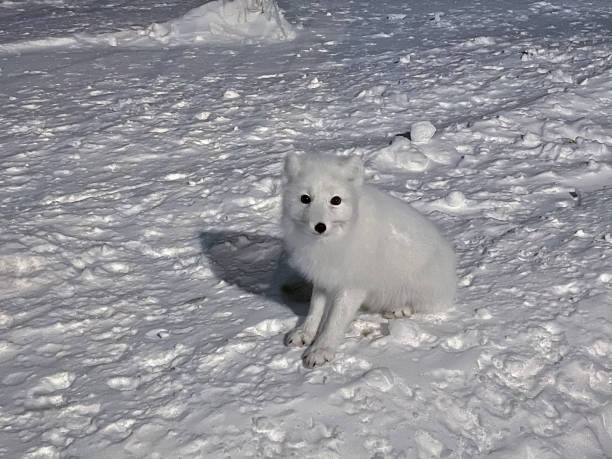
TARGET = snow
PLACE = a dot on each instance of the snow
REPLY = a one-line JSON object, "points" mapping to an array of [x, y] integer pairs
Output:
{"points": [[141, 309], [222, 21], [218, 21], [422, 131]]}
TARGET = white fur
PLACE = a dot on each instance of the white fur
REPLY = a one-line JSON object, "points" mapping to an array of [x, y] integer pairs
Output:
{"points": [[377, 251]]}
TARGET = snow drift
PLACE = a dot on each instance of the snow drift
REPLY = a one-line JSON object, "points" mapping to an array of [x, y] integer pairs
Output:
{"points": [[224, 20], [216, 22]]}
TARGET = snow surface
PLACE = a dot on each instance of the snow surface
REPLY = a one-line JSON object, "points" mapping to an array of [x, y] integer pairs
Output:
{"points": [[141, 313]]}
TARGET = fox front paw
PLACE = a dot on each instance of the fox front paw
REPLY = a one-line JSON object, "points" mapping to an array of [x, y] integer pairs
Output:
{"points": [[299, 337], [397, 314], [317, 356]]}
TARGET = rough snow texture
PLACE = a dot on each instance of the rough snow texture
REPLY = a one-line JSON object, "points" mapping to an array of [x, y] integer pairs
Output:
{"points": [[139, 203]]}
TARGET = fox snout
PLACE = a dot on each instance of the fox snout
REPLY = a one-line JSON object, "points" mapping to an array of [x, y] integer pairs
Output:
{"points": [[320, 228]]}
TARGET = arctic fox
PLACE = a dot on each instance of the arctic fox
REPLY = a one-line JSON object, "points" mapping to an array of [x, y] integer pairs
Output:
{"points": [[359, 247]]}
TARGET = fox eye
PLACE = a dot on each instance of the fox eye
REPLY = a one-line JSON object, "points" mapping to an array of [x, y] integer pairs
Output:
{"points": [[305, 199], [335, 200]]}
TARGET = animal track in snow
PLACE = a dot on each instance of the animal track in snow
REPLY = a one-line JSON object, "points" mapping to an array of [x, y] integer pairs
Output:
{"points": [[48, 392]]}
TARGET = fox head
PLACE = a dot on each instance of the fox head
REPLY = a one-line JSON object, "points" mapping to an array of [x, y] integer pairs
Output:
{"points": [[321, 194]]}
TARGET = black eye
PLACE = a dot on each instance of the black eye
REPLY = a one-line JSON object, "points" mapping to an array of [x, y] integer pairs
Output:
{"points": [[335, 200], [305, 199]]}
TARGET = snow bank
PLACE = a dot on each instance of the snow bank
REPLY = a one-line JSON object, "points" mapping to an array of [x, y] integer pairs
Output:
{"points": [[216, 22], [224, 20]]}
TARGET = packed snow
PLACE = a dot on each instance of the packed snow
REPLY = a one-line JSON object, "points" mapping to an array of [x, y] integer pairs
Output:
{"points": [[144, 293], [422, 132]]}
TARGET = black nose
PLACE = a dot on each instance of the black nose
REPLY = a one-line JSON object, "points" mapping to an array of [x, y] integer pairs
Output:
{"points": [[320, 228]]}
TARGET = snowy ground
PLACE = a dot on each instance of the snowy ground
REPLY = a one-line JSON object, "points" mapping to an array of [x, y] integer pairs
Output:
{"points": [[141, 313]]}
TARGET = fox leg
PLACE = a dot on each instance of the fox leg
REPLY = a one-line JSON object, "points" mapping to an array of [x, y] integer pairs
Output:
{"points": [[342, 311], [304, 334]]}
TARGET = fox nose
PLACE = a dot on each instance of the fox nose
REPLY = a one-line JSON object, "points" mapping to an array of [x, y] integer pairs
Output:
{"points": [[320, 228]]}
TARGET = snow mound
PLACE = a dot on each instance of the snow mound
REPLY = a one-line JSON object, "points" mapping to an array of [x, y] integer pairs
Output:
{"points": [[400, 155], [216, 22], [410, 333], [223, 20]]}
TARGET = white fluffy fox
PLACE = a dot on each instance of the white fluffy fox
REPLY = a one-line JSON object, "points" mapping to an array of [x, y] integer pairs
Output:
{"points": [[359, 247]]}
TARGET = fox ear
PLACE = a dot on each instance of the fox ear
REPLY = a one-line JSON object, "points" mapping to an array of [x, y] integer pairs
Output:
{"points": [[353, 169], [293, 164]]}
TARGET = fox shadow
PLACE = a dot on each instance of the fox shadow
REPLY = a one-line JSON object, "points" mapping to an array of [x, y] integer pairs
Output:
{"points": [[256, 263]]}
